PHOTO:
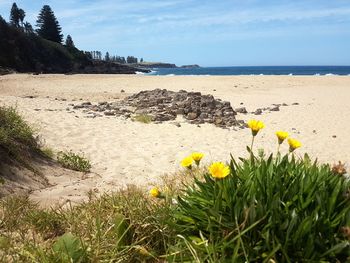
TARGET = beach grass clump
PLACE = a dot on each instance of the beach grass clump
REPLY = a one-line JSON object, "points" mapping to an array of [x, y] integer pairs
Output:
{"points": [[48, 152], [74, 161], [126, 226], [17, 138], [144, 118]]}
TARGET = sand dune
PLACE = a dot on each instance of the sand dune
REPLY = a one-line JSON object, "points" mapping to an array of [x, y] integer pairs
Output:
{"points": [[123, 152]]}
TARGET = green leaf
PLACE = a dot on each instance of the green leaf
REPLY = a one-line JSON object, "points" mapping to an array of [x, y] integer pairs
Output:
{"points": [[68, 247]]}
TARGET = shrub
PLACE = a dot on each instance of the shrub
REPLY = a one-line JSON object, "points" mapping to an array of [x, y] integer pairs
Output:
{"points": [[74, 161], [280, 209], [16, 136]]}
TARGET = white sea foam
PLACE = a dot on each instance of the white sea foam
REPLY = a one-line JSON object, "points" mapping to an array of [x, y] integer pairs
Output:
{"points": [[139, 73], [170, 75], [317, 74], [290, 74], [331, 74], [153, 72]]}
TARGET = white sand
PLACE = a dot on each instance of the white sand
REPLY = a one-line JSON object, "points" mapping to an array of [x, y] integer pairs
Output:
{"points": [[125, 152]]}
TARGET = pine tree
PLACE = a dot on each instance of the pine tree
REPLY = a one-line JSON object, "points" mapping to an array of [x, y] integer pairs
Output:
{"points": [[21, 16], [28, 28], [14, 15], [69, 41], [48, 26]]}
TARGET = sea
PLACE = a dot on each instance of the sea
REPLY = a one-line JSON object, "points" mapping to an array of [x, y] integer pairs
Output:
{"points": [[255, 70]]}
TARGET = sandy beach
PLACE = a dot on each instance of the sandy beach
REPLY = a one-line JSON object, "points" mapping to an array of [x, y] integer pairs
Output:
{"points": [[126, 152]]}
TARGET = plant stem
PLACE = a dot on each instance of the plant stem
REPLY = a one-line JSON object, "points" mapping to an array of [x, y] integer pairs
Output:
{"points": [[251, 147]]}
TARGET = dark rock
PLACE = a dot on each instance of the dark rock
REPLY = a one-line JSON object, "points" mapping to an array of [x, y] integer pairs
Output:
{"points": [[191, 116], [258, 112], [180, 111], [109, 113], [276, 108], [241, 110], [78, 107], [295, 103], [203, 115], [218, 121], [165, 105]]}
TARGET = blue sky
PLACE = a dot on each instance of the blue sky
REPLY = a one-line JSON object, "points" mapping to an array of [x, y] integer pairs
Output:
{"points": [[206, 32]]}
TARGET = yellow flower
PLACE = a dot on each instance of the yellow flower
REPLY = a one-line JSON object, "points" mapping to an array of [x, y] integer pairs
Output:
{"points": [[187, 162], [197, 157], [219, 170], [255, 126], [154, 192], [281, 135], [293, 144]]}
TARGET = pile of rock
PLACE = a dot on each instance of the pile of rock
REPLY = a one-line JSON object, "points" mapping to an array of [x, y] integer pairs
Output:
{"points": [[164, 105]]}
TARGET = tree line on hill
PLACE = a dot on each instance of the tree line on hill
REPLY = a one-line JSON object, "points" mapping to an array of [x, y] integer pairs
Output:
{"points": [[97, 55], [24, 48]]}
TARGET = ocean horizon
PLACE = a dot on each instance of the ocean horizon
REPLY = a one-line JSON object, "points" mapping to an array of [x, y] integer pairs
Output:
{"points": [[254, 70]]}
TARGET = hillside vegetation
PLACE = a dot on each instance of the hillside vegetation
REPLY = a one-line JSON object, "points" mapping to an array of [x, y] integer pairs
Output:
{"points": [[31, 53]]}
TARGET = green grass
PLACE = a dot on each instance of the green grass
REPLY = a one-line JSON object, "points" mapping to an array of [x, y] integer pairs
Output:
{"points": [[124, 227], [144, 118], [74, 161], [17, 139], [48, 152]]}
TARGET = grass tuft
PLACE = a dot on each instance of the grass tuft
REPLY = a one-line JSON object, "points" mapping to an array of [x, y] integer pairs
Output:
{"points": [[17, 138], [48, 152], [74, 161], [144, 118]]}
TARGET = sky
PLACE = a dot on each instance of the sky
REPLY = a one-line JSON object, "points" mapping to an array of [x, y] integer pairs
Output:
{"points": [[206, 32]]}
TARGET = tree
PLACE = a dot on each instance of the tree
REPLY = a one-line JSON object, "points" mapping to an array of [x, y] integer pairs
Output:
{"points": [[107, 58], [14, 16], [131, 59], [69, 41], [89, 54], [48, 26], [141, 60], [28, 28], [21, 16]]}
